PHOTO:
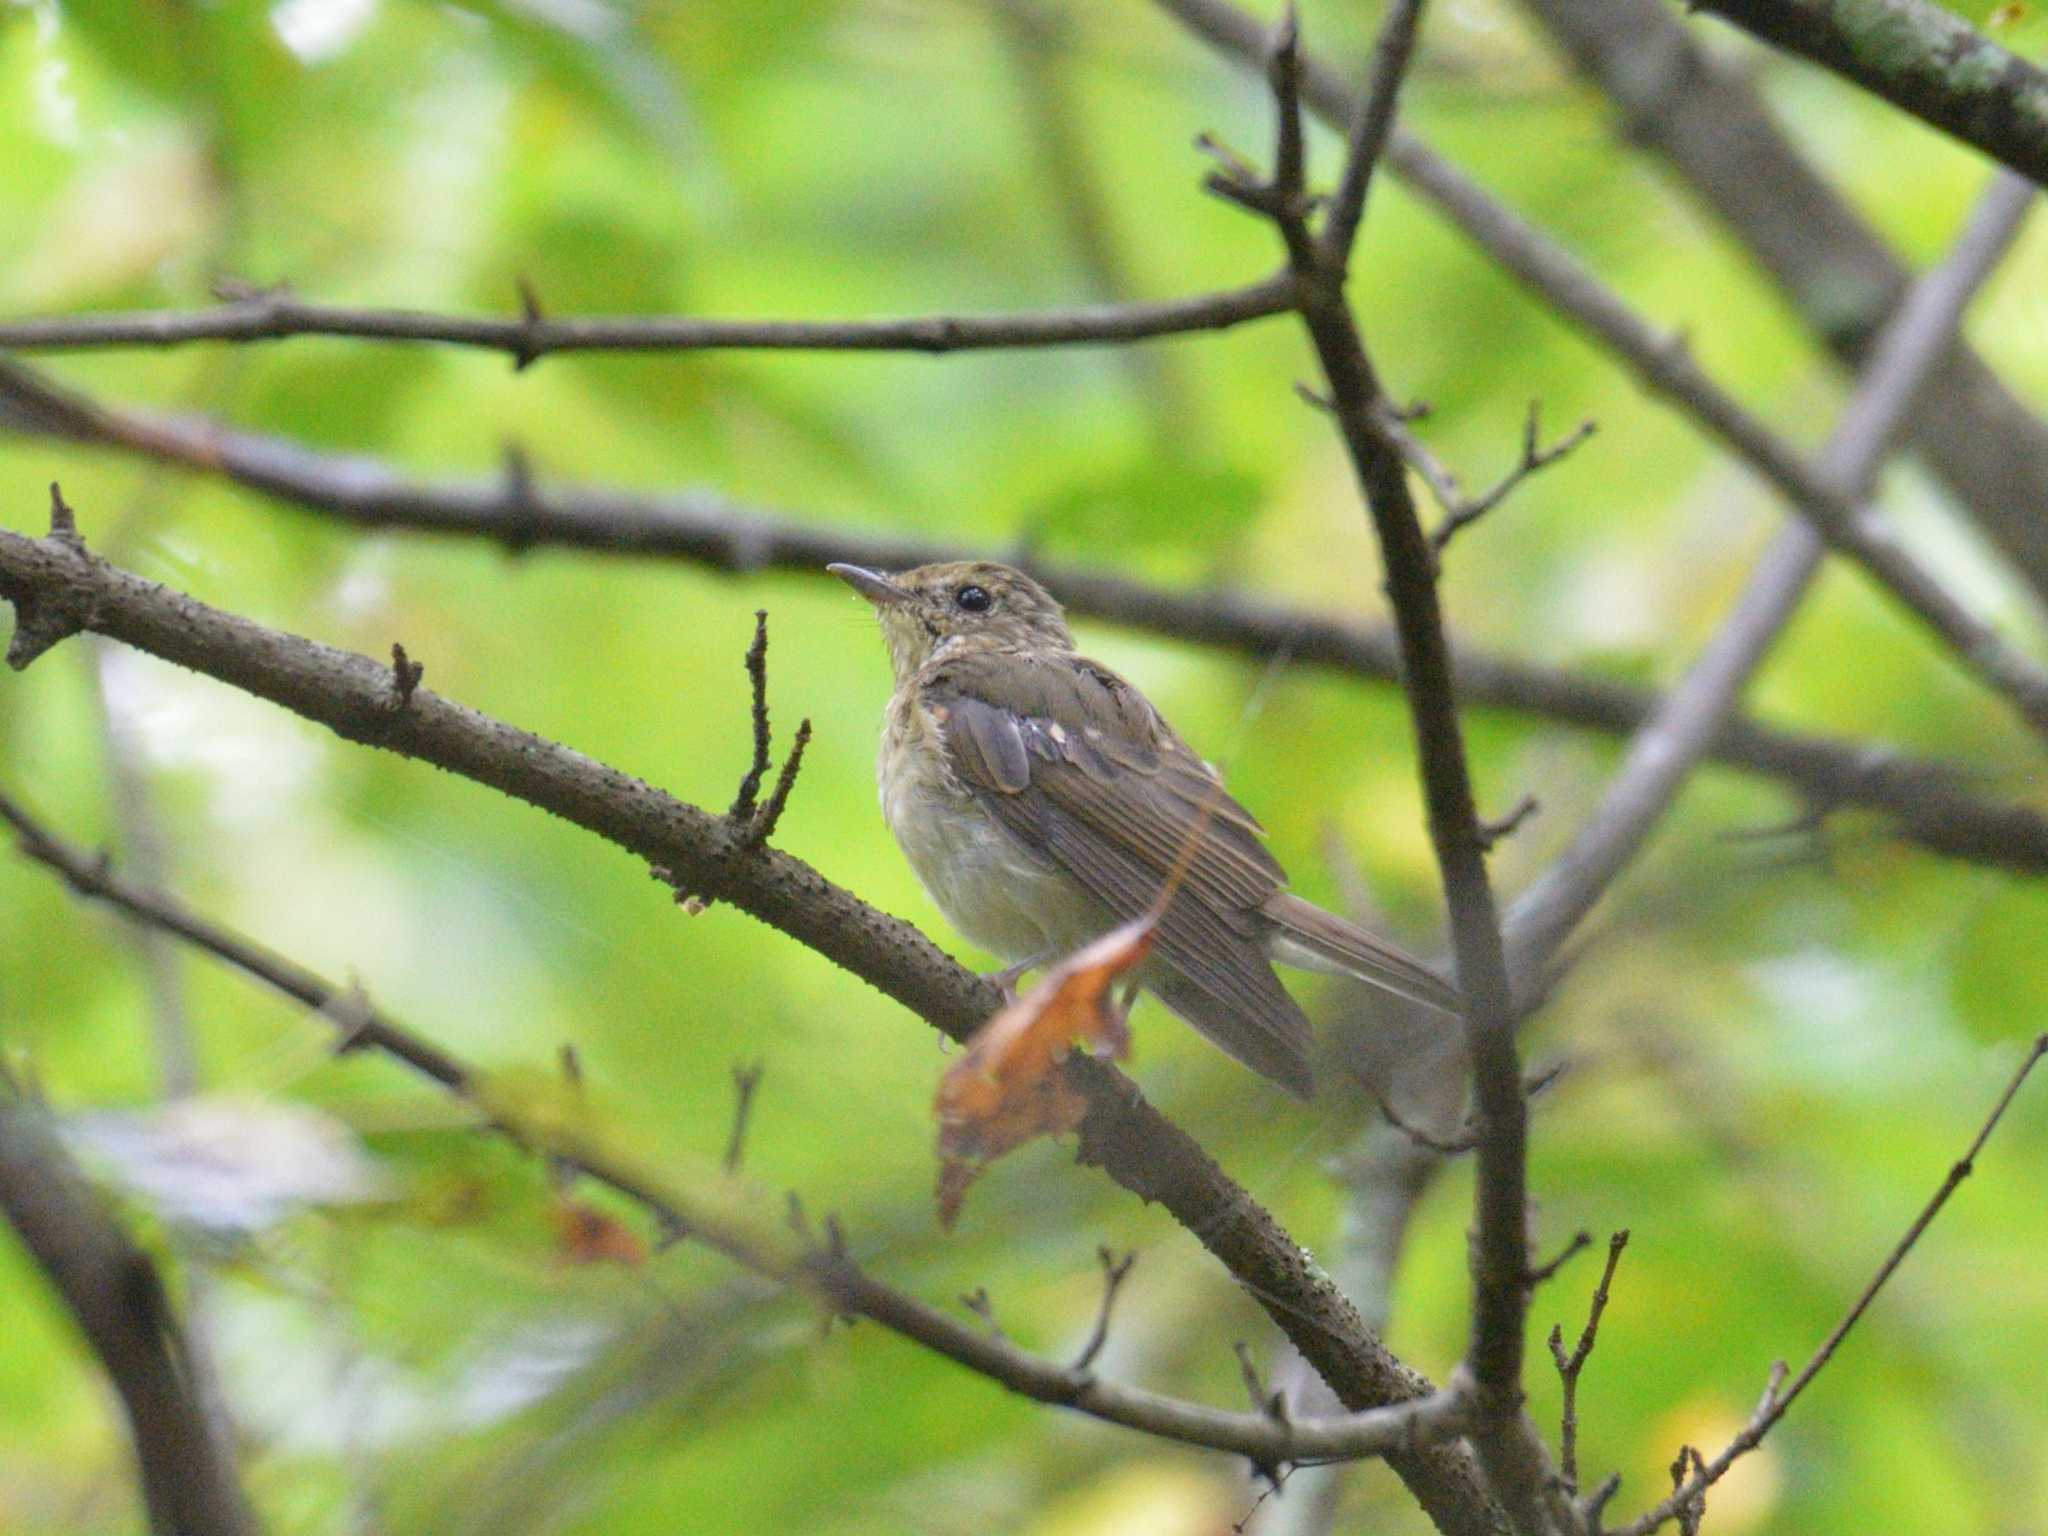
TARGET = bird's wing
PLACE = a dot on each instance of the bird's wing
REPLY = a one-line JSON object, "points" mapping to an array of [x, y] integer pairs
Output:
{"points": [[1081, 770], [1063, 737]]}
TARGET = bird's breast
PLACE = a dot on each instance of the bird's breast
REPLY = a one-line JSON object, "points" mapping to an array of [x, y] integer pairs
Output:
{"points": [[990, 887]]}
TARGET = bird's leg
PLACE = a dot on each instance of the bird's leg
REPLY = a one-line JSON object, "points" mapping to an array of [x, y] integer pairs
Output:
{"points": [[1005, 980], [1119, 1011]]}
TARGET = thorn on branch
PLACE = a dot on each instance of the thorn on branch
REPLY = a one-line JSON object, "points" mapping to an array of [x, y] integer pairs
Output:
{"points": [[63, 521], [350, 1013], [1492, 832], [1315, 398], [977, 1302], [519, 524], [745, 1080], [45, 620], [1114, 1270], [532, 339], [405, 677]]}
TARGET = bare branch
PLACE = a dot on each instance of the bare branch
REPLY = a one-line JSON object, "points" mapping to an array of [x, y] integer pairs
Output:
{"points": [[1928, 799], [1371, 128], [746, 1082], [1114, 1270], [1707, 122], [276, 314], [112, 1290], [716, 1209], [1667, 748], [1123, 1134], [1775, 1402], [1460, 514], [1670, 372], [1505, 1442], [1570, 1366]]}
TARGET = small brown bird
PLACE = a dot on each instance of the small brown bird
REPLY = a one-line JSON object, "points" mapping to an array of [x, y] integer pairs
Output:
{"points": [[1042, 800]]}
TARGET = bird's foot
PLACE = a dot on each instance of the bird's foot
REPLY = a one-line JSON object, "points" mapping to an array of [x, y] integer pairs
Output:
{"points": [[1005, 980]]}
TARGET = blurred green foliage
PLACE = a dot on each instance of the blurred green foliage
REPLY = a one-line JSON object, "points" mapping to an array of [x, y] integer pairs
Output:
{"points": [[1776, 1057]]}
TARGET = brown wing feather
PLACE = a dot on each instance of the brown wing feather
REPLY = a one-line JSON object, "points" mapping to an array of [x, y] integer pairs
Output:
{"points": [[1078, 767]]}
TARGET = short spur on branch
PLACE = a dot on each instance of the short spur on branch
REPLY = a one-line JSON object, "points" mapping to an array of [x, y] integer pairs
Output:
{"points": [[1042, 800]]}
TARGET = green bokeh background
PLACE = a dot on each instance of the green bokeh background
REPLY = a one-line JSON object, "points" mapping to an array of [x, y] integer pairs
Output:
{"points": [[1774, 1059]]}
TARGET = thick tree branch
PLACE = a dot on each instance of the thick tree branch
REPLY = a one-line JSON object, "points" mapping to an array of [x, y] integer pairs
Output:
{"points": [[1708, 124], [1669, 371], [112, 1290], [1922, 59], [276, 314], [1929, 800], [1778, 1398], [1667, 748], [65, 588], [716, 1209]]}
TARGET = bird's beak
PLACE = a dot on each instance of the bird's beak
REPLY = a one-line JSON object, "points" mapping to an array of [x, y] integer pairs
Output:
{"points": [[872, 585]]}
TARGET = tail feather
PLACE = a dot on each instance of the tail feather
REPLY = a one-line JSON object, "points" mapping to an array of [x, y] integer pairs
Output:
{"points": [[1274, 1042], [1305, 935]]}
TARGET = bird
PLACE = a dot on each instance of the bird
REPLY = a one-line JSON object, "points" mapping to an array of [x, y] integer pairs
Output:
{"points": [[1041, 800]]}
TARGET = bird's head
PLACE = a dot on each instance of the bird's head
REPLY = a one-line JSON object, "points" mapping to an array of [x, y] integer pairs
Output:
{"points": [[962, 602]]}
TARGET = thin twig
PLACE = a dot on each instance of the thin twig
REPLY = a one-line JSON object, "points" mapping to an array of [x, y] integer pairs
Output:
{"points": [[757, 682], [1114, 1270], [1371, 127], [1542, 1274], [1570, 1366], [275, 315], [746, 1081], [1776, 1401], [1460, 515]]}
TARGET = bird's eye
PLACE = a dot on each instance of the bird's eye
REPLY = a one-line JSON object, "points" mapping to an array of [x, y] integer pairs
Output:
{"points": [[974, 599]]}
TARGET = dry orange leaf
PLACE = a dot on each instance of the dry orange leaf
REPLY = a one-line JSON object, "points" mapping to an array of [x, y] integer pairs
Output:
{"points": [[586, 1235], [1009, 1086]]}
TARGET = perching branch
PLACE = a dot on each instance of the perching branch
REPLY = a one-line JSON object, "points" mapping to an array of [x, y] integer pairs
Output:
{"points": [[274, 314], [1928, 800], [715, 1207], [1777, 1398], [113, 1292], [57, 579], [1922, 59]]}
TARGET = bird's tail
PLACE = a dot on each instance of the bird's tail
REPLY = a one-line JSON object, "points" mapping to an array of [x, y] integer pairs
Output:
{"points": [[1305, 935]]}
